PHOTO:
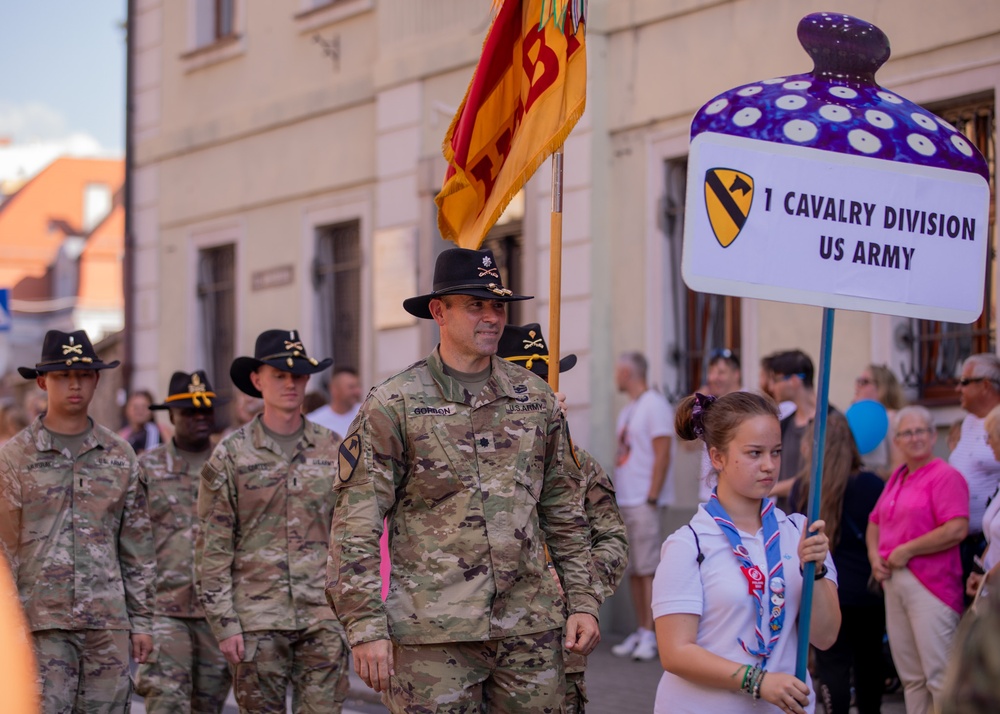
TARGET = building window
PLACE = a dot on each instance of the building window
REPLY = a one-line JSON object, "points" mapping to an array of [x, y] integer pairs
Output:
{"points": [[337, 285], [217, 313], [937, 349], [215, 20], [698, 323]]}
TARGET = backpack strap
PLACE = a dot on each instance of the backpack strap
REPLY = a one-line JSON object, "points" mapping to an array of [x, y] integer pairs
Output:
{"points": [[697, 544]]}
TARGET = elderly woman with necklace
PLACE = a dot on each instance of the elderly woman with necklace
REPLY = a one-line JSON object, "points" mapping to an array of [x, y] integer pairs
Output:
{"points": [[726, 595]]}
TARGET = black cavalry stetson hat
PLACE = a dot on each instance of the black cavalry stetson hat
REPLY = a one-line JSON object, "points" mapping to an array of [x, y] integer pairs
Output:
{"points": [[66, 350], [460, 271], [525, 345], [281, 349], [190, 391]]}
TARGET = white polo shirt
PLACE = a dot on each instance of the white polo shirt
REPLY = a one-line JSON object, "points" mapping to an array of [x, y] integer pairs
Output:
{"points": [[717, 593]]}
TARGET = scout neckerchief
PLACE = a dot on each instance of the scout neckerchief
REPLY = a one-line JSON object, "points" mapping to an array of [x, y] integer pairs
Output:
{"points": [[775, 604]]}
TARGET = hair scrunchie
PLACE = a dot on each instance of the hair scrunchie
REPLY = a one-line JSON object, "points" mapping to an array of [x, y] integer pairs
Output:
{"points": [[701, 403]]}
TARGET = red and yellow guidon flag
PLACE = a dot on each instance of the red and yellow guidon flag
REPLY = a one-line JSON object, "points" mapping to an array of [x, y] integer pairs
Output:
{"points": [[528, 91]]}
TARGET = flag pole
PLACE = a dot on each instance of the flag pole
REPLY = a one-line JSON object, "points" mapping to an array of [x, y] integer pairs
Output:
{"points": [[555, 267], [815, 489]]}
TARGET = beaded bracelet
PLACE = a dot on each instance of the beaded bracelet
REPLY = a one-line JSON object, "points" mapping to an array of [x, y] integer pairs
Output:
{"points": [[750, 676], [757, 682]]}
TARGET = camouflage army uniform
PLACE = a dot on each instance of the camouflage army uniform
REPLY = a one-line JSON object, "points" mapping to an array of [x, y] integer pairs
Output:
{"points": [[78, 536], [264, 538], [186, 671], [469, 485], [608, 548]]}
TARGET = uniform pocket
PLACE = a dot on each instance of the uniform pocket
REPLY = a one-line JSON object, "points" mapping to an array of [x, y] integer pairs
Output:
{"points": [[246, 681]]}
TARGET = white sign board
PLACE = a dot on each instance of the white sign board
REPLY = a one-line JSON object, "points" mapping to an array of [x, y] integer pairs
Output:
{"points": [[794, 224]]}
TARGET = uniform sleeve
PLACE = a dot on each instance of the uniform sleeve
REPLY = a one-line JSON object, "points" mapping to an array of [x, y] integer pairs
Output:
{"points": [[563, 520], [137, 554], [10, 514], [677, 586], [608, 541], [371, 465], [214, 550]]}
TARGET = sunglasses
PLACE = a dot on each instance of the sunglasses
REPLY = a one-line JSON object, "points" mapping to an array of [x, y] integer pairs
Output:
{"points": [[786, 377], [863, 381], [966, 381]]}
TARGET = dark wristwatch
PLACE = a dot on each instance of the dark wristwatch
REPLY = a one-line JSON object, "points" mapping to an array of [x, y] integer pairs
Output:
{"points": [[820, 573], [650, 501]]}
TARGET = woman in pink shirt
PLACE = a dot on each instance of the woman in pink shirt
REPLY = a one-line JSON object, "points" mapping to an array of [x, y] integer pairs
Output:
{"points": [[913, 536]]}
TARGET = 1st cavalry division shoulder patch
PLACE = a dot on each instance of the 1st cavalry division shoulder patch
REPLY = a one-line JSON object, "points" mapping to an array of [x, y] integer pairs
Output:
{"points": [[350, 449], [728, 197]]}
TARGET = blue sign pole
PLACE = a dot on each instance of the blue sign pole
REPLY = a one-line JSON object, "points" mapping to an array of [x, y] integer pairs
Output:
{"points": [[5, 310], [815, 489]]}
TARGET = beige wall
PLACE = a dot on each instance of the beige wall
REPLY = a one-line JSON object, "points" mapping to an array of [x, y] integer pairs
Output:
{"points": [[258, 143]]}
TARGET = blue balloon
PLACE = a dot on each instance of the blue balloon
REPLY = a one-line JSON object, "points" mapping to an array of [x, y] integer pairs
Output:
{"points": [[869, 423]]}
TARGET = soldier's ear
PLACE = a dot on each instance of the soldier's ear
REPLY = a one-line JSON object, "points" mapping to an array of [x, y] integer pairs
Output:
{"points": [[40, 381]]}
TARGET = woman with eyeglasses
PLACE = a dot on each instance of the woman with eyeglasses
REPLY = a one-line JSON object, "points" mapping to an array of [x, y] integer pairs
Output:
{"points": [[879, 384], [913, 536]]}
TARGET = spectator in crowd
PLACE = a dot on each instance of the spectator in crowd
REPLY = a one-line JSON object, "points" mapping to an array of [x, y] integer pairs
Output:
{"points": [[642, 473], [878, 384], [345, 400], [723, 378], [243, 410], [35, 403], [913, 537], [723, 372], [141, 430], [793, 382], [727, 591], [990, 568], [972, 685], [12, 420], [979, 389], [312, 402], [848, 497], [766, 385]]}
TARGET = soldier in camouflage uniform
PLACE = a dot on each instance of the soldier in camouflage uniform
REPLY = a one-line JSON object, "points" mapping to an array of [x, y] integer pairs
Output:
{"points": [[186, 671], [464, 453], [265, 506], [608, 544], [74, 525]]}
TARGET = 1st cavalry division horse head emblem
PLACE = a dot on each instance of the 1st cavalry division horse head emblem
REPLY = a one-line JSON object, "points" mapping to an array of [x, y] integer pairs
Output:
{"points": [[728, 197]]}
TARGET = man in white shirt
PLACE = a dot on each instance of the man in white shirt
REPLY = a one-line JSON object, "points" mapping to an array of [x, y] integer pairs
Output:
{"points": [[345, 400], [643, 486], [979, 390]]}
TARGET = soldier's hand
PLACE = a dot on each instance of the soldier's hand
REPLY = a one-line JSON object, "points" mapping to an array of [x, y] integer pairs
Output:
{"points": [[142, 646], [373, 663], [582, 633], [232, 648]]}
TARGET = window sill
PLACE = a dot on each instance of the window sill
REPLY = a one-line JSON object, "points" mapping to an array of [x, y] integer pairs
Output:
{"points": [[219, 51], [331, 12]]}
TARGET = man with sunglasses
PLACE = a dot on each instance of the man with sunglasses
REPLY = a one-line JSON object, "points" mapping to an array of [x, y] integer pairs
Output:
{"points": [[979, 392]]}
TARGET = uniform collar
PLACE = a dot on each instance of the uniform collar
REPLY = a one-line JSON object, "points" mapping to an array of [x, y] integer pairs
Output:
{"points": [[174, 457], [262, 441], [499, 384], [42, 437]]}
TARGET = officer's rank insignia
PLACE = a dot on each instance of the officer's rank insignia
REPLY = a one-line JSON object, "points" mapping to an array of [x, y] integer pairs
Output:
{"points": [[728, 197], [350, 449]]}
